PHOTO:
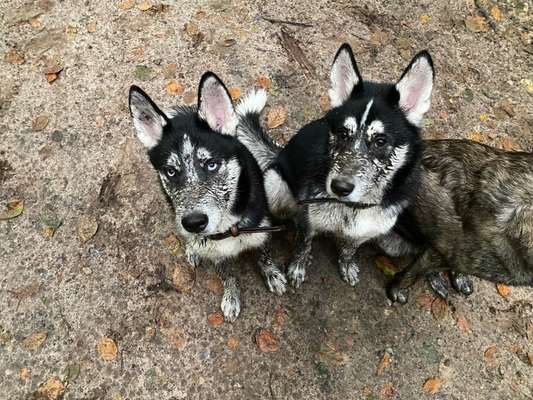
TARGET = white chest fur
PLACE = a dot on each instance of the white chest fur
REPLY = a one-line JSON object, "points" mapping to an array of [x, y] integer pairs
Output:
{"points": [[217, 250], [360, 225]]}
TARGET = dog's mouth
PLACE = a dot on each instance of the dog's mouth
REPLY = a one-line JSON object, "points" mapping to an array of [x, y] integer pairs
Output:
{"points": [[352, 204]]}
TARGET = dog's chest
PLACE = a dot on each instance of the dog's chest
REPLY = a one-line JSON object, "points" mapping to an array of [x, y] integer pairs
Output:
{"points": [[217, 250], [356, 224]]}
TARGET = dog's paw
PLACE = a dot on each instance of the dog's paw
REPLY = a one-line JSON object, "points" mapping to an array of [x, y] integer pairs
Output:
{"points": [[439, 283], [275, 281], [296, 275], [230, 306], [349, 272], [397, 295], [462, 283]]}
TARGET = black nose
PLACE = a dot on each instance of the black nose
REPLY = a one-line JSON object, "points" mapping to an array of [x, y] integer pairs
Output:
{"points": [[195, 222], [341, 187]]}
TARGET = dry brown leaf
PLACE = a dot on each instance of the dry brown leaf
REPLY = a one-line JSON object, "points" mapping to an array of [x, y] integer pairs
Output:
{"points": [[176, 336], [490, 354], [189, 97], [24, 374], [214, 284], [91, 27], [200, 14], [280, 316], [495, 13], [477, 137], [144, 6], [508, 144], [385, 363], [50, 77], [87, 228], [503, 290], [215, 319], [126, 5], [34, 341], [235, 93], [191, 29], [183, 277], [530, 358], [233, 342], [462, 324], [14, 57], [276, 117], [432, 385], [476, 24], [324, 102], [439, 309], [424, 300], [39, 123], [35, 23], [228, 42], [386, 392], [264, 82], [13, 209], [175, 88], [53, 389], [169, 71], [107, 348], [266, 341]]}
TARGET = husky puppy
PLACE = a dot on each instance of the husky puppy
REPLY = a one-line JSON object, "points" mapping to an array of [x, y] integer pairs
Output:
{"points": [[214, 183], [472, 214], [353, 171]]}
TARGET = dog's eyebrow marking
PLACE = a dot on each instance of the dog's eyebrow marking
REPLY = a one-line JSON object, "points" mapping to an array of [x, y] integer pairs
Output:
{"points": [[188, 161], [203, 154], [365, 114], [350, 123], [173, 160], [375, 126]]}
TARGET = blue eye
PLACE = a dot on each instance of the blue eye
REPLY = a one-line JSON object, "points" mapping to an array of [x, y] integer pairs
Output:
{"points": [[170, 172], [211, 165]]}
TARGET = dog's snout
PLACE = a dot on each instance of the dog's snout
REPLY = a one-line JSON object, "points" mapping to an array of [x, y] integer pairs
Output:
{"points": [[341, 187], [195, 222]]}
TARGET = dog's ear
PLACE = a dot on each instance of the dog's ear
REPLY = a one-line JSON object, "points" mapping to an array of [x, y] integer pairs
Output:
{"points": [[148, 119], [414, 87], [344, 77], [215, 106]]}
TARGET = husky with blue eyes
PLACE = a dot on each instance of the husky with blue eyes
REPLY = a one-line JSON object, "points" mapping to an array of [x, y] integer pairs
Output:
{"points": [[212, 180]]}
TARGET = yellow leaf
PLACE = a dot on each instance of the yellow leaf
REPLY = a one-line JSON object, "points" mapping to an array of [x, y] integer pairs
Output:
{"points": [[175, 88], [527, 84], [432, 385], [477, 137], [53, 389], [126, 5], [34, 341], [495, 13], [144, 6], [107, 349], [503, 290], [424, 19], [235, 93], [87, 228], [484, 117], [14, 209], [24, 374], [276, 117], [91, 27], [476, 24], [233, 342]]}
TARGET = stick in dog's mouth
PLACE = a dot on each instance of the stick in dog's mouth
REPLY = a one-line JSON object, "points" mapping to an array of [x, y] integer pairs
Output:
{"points": [[335, 200]]}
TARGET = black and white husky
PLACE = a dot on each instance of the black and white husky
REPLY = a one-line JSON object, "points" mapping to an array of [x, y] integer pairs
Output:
{"points": [[214, 183], [351, 173]]}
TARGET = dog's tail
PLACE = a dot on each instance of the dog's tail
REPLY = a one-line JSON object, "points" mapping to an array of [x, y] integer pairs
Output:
{"points": [[251, 133]]}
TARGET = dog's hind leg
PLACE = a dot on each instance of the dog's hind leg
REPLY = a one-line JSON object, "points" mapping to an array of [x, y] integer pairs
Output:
{"points": [[302, 256], [394, 245], [231, 298], [348, 266], [274, 279]]}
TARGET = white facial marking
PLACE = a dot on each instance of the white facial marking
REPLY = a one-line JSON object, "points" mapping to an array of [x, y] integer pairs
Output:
{"points": [[375, 126], [350, 123], [188, 159], [398, 157], [173, 161], [203, 154], [365, 114]]}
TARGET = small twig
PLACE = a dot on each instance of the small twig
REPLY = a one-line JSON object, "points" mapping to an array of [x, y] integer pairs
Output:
{"points": [[486, 15], [294, 50], [282, 21]]}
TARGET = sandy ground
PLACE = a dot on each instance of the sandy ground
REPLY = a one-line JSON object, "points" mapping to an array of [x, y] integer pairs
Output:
{"points": [[60, 298]]}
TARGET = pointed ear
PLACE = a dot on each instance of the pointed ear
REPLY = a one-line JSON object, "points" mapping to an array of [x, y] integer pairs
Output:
{"points": [[415, 87], [344, 76], [215, 106], [148, 119]]}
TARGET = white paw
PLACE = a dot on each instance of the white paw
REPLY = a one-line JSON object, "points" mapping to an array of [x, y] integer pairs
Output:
{"points": [[230, 306], [296, 275], [276, 281], [349, 273]]}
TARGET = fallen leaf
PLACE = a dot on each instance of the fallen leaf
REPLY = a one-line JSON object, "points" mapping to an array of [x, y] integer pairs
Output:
{"points": [[490, 354], [175, 88], [503, 290], [35, 23], [176, 336], [183, 277], [432, 385], [174, 245], [49, 226], [53, 389], [385, 265], [462, 323], [13, 209], [235, 93], [24, 374], [508, 144], [530, 358], [99, 121], [294, 50], [71, 31], [476, 24], [266, 341], [169, 71], [484, 117], [189, 97], [39, 123], [214, 284], [385, 363], [228, 42], [126, 5], [366, 391], [280, 315], [477, 137], [25, 292], [232, 342], [527, 84], [506, 108], [14, 57], [386, 392], [215, 319], [143, 73], [439, 309], [324, 103], [191, 29], [107, 349], [34, 341], [200, 14], [91, 27], [424, 19], [144, 6], [424, 300], [276, 117], [264, 82], [87, 228], [495, 13], [50, 77]]}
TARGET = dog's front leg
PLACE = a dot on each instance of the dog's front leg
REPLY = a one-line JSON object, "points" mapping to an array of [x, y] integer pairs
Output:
{"points": [[231, 299], [274, 279], [348, 265], [302, 256]]}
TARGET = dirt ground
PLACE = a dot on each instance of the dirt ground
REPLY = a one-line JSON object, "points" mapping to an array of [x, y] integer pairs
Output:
{"points": [[93, 320]]}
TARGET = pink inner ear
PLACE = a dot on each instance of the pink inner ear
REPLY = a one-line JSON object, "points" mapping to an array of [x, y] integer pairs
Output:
{"points": [[414, 92], [219, 111]]}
